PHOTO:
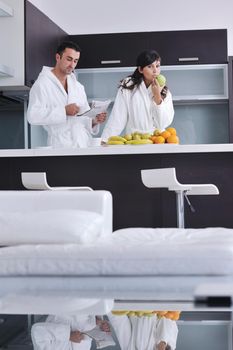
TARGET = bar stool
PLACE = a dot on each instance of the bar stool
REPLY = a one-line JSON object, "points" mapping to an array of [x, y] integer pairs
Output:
{"points": [[166, 178], [38, 181]]}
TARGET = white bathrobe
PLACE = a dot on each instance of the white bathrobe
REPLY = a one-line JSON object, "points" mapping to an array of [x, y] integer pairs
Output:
{"points": [[143, 333], [47, 101], [135, 110], [54, 334]]}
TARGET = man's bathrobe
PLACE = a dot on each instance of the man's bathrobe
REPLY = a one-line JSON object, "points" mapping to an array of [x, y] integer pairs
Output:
{"points": [[47, 101], [54, 334]]}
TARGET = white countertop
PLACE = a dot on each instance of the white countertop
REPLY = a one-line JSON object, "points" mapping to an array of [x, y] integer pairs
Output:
{"points": [[119, 149]]}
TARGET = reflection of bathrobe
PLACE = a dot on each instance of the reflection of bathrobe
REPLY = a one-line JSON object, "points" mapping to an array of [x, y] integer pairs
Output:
{"points": [[47, 102], [142, 333], [54, 334], [136, 111]]}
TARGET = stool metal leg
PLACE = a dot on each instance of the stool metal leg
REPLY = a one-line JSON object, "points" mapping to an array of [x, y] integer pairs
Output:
{"points": [[180, 208]]}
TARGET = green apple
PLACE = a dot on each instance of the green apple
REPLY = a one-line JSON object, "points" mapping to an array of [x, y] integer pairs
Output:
{"points": [[161, 79]]}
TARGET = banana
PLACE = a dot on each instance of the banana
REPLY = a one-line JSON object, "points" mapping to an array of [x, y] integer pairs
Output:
{"points": [[119, 312], [139, 142], [115, 143], [117, 138]]}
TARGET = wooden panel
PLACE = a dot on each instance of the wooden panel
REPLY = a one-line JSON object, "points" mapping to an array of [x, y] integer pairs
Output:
{"points": [[42, 36], [121, 47], [209, 46]]}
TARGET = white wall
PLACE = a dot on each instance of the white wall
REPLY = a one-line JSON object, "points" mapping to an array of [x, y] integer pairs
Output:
{"points": [[108, 16], [12, 43]]}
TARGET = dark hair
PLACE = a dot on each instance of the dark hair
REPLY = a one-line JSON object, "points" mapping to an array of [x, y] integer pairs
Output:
{"points": [[144, 59], [67, 45]]}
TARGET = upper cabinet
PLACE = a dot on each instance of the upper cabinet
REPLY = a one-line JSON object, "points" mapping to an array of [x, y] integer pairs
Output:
{"points": [[110, 50], [191, 46], [175, 47], [30, 40]]}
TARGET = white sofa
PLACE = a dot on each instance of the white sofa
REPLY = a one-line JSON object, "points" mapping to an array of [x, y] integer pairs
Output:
{"points": [[134, 263]]}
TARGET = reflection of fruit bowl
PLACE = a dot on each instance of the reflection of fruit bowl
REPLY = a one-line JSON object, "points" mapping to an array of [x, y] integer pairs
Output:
{"points": [[136, 138], [172, 315]]}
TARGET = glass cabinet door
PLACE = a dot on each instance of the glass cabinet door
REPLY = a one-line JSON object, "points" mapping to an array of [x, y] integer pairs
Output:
{"points": [[197, 82]]}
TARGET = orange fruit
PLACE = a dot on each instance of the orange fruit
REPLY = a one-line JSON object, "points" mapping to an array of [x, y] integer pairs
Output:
{"points": [[169, 314], [161, 313], [173, 139], [158, 139], [165, 134], [171, 130], [176, 315]]}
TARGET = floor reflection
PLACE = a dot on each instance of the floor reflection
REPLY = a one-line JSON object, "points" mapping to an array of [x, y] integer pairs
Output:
{"points": [[118, 329]]}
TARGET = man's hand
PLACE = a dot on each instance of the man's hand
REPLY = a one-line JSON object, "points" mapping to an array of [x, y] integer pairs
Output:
{"points": [[76, 337], [161, 346], [100, 118], [103, 324], [72, 109]]}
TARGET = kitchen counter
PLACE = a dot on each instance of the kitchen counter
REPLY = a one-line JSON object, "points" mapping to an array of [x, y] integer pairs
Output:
{"points": [[118, 169], [119, 150]]}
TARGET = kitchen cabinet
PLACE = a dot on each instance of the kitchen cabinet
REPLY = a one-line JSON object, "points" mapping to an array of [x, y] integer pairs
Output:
{"points": [[30, 43], [191, 46], [214, 335], [21, 62], [200, 97], [175, 47], [110, 50]]}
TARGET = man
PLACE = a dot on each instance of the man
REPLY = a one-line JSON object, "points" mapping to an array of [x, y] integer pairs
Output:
{"points": [[57, 98], [66, 332]]}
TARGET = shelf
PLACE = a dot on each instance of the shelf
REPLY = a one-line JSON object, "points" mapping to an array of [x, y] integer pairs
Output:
{"points": [[5, 10], [194, 101], [6, 71]]}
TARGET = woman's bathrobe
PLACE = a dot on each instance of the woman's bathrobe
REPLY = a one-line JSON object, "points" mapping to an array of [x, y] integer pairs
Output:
{"points": [[135, 110], [143, 333]]}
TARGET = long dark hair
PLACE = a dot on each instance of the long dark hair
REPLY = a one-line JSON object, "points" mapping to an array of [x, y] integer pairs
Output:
{"points": [[144, 59]]}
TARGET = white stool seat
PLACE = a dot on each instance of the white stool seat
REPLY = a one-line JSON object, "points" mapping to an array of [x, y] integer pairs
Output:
{"points": [[38, 181], [166, 178]]}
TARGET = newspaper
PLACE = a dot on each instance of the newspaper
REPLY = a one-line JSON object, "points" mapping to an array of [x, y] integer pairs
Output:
{"points": [[97, 107], [101, 338]]}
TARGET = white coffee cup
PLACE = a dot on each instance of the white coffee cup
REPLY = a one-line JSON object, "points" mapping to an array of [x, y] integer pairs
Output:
{"points": [[95, 141]]}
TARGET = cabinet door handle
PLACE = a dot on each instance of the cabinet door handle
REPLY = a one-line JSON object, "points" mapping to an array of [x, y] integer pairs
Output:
{"points": [[184, 59], [111, 61]]}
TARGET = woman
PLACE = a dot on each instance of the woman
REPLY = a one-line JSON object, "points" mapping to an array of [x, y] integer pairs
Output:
{"points": [[143, 333], [141, 104]]}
